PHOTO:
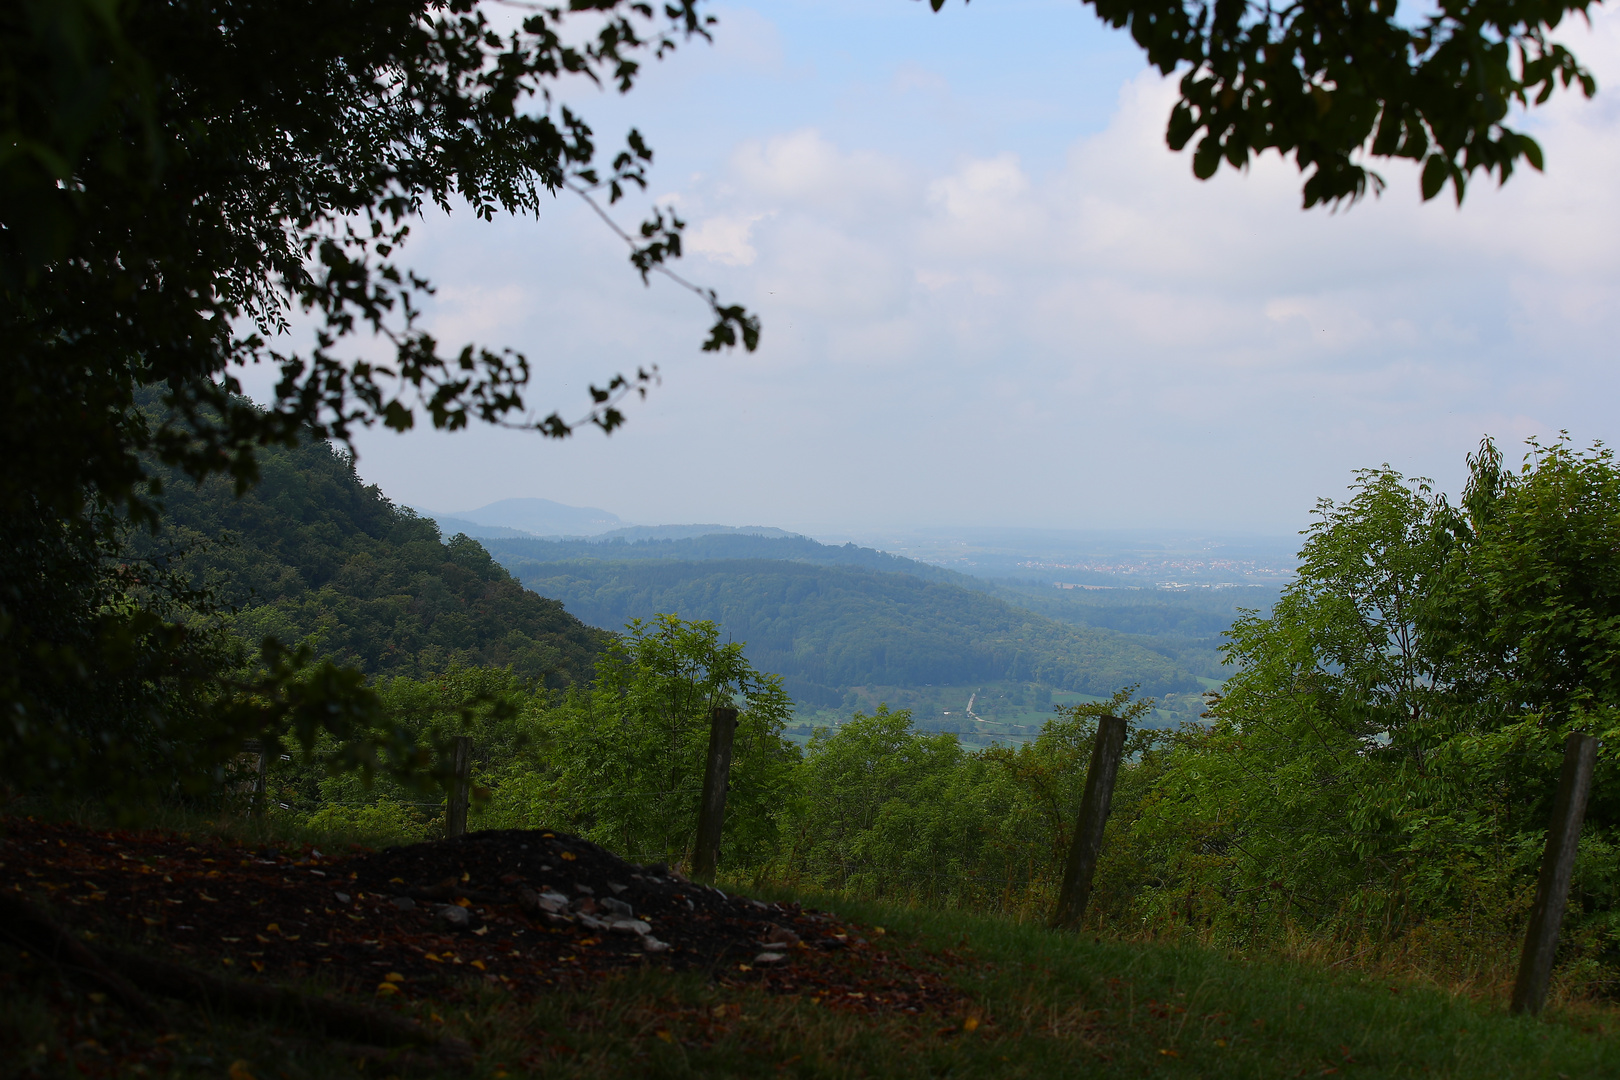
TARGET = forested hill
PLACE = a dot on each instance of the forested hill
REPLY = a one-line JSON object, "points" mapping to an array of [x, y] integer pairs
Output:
{"points": [[829, 628], [312, 554]]}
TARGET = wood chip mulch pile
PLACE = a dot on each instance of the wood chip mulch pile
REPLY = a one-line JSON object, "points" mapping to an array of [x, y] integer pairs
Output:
{"points": [[526, 911]]}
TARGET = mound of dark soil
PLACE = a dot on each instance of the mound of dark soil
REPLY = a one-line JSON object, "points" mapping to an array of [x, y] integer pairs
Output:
{"points": [[519, 910], [573, 887]]}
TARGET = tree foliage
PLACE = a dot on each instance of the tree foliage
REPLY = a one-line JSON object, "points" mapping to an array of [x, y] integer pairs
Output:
{"points": [[826, 629], [620, 761], [1335, 83], [181, 181], [1387, 752], [632, 751], [178, 172], [885, 810], [310, 555]]}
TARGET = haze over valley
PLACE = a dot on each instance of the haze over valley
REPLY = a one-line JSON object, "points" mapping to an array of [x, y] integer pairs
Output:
{"points": [[977, 631]]}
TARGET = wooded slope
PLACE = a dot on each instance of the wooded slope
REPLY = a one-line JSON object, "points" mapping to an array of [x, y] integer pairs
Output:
{"points": [[312, 554], [827, 628]]}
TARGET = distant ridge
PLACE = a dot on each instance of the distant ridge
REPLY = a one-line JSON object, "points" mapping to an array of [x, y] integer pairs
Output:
{"points": [[450, 526], [543, 519], [692, 532], [530, 517], [707, 546]]}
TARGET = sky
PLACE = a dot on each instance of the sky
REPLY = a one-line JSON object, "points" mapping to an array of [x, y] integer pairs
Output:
{"points": [[991, 296]]}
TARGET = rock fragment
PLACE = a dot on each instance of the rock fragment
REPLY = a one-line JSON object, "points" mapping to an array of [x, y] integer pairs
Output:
{"points": [[779, 935], [553, 902]]}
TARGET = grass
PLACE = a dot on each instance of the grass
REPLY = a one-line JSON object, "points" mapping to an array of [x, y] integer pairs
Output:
{"points": [[1036, 1004]]}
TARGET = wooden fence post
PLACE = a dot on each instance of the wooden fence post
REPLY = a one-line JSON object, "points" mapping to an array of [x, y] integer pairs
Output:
{"points": [[1557, 866], [257, 747], [1088, 830], [455, 816], [712, 810]]}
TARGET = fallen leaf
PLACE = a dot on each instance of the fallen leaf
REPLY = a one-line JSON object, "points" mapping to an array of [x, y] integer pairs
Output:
{"points": [[1169, 1053], [239, 1071], [479, 964], [393, 976], [384, 989], [666, 1036], [970, 1024], [568, 855]]}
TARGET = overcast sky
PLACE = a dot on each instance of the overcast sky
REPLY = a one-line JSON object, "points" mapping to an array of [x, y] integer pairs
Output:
{"points": [[991, 295]]}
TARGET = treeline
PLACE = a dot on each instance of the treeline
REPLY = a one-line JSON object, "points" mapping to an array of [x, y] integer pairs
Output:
{"points": [[825, 628], [1378, 775], [1194, 613]]}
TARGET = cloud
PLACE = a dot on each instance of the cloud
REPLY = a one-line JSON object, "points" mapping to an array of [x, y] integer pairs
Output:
{"points": [[985, 334], [1117, 287], [724, 239]]}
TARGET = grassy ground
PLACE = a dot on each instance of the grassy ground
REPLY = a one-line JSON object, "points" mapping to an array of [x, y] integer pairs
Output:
{"points": [[1037, 1004], [1045, 1005]]}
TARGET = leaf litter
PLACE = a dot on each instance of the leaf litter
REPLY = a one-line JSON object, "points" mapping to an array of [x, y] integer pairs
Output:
{"points": [[521, 911]]}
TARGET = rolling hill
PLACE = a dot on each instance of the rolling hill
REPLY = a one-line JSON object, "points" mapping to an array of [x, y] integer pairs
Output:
{"points": [[832, 618]]}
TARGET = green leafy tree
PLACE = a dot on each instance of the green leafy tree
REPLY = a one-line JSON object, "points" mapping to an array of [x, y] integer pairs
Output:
{"points": [[1383, 760], [885, 810], [502, 713], [178, 180], [878, 812], [1333, 689], [630, 753], [1334, 83]]}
